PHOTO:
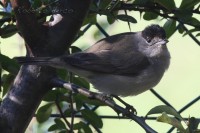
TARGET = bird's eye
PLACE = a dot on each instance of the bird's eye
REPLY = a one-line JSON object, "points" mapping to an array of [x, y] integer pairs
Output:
{"points": [[148, 39]]}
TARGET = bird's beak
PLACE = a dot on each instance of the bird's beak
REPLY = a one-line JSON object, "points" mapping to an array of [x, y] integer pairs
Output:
{"points": [[161, 42]]}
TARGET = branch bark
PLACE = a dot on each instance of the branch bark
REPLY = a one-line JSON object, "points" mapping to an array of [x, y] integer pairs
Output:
{"points": [[32, 82]]}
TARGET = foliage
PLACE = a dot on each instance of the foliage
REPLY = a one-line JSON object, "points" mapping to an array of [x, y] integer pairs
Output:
{"points": [[176, 119], [70, 104]]}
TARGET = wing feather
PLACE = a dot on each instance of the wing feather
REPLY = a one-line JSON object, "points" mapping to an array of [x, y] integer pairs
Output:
{"points": [[112, 55]]}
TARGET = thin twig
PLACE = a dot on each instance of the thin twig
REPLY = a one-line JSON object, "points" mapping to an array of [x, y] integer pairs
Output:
{"points": [[71, 106], [155, 8], [61, 113], [72, 112], [161, 98], [140, 120], [114, 117], [88, 123], [190, 34]]}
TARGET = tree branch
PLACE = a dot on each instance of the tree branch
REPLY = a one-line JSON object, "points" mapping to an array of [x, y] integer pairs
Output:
{"points": [[155, 9], [190, 34], [26, 19], [62, 114], [70, 20], [74, 88]]}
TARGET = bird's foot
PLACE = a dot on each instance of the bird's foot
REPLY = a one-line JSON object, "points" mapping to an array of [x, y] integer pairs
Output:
{"points": [[129, 107]]}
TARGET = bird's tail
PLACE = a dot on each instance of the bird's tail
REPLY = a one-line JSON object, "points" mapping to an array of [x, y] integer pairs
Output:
{"points": [[33, 60]]}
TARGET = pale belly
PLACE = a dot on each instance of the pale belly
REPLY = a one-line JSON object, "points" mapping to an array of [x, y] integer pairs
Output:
{"points": [[124, 85]]}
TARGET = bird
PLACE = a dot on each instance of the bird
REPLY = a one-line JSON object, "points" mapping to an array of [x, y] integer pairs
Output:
{"points": [[124, 64]]}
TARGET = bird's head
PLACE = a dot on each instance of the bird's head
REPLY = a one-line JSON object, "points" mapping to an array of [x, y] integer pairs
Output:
{"points": [[155, 39], [154, 35]]}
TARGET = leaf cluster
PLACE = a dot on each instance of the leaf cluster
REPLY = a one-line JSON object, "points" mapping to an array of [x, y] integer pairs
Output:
{"points": [[173, 118]]}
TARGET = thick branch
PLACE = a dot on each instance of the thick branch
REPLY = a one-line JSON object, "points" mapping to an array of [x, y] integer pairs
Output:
{"points": [[68, 20], [74, 88], [27, 22]]}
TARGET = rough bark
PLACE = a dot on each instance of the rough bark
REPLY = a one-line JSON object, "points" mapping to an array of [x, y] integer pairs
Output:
{"points": [[33, 82]]}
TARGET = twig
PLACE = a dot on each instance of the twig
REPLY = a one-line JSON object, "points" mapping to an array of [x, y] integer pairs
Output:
{"points": [[154, 8], [71, 106], [190, 34], [96, 128], [61, 113], [161, 98], [140, 120], [114, 117]]}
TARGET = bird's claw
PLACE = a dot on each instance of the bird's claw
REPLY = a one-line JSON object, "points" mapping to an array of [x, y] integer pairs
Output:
{"points": [[129, 108]]}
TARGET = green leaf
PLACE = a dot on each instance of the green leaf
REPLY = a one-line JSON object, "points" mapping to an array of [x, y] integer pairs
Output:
{"points": [[126, 18], [60, 124], [163, 108], [53, 128], [68, 112], [81, 82], [37, 3], [92, 118], [190, 31], [5, 14], [64, 131], [8, 64], [52, 95], [184, 15], [188, 4], [44, 112], [8, 31], [91, 18], [150, 16], [180, 29], [75, 49], [194, 21], [104, 4], [170, 27], [197, 34], [79, 126], [62, 73], [168, 4], [112, 17], [172, 121], [79, 101]]}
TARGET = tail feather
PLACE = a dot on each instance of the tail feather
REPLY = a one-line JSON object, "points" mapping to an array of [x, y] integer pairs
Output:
{"points": [[33, 60]]}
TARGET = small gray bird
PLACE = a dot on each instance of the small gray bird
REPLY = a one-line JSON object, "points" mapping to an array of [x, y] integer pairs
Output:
{"points": [[123, 64]]}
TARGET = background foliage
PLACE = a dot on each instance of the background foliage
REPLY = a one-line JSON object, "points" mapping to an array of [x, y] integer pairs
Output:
{"points": [[182, 17]]}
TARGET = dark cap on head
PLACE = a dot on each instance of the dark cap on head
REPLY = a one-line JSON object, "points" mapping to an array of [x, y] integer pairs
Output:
{"points": [[153, 31]]}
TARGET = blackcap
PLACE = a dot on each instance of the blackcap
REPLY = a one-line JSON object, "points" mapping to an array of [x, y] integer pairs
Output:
{"points": [[123, 64]]}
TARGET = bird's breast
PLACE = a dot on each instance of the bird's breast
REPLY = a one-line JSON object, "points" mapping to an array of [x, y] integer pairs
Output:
{"points": [[125, 85]]}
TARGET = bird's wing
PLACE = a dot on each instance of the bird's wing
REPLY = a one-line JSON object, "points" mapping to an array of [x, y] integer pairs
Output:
{"points": [[112, 55], [106, 62]]}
